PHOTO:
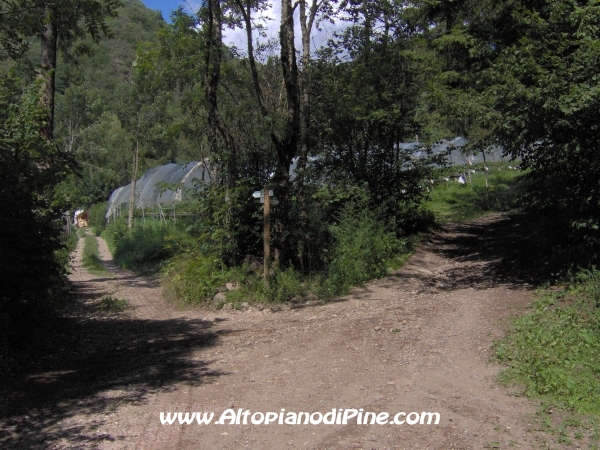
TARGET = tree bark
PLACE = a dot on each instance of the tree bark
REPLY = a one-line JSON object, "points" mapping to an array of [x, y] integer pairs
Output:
{"points": [[287, 145], [48, 69], [368, 29], [306, 24], [216, 124]]}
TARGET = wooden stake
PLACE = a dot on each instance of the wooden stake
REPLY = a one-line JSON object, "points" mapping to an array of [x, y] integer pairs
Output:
{"points": [[267, 236], [485, 170]]}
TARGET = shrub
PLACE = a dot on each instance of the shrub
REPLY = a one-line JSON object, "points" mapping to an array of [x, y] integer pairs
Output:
{"points": [[142, 246], [146, 245], [193, 277], [111, 304], [33, 275], [286, 285], [114, 232], [362, 246]]}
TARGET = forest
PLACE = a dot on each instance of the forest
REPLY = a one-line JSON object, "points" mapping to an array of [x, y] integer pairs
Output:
{"points": [[95, 92]]}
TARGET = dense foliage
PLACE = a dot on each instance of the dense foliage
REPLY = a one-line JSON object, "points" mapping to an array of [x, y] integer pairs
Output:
{"points": [[30, 169], [524, 75]]}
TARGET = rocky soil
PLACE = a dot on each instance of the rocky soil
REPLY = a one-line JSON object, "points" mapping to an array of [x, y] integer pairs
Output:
{"points": [[417, 340]]}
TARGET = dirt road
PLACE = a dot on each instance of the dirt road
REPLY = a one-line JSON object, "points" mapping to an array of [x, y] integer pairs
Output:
{"points": [[418, 340]]}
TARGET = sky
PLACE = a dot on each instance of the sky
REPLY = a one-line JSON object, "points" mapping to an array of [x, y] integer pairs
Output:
{"points": [[238, 37], [166, 6]]}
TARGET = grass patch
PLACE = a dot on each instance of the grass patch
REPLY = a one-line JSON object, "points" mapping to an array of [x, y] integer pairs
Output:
{"points": [[554, 351], [553, 354], [454, 202], [113, 305], [91, 260]]}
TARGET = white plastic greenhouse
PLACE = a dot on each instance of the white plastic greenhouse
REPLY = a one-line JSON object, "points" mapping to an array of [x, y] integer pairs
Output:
{"points": [[453, 150], [154, 190], [164, 186]]}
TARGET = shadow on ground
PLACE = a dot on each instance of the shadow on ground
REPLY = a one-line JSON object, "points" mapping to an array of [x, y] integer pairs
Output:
{"points": [[504, 250], [94, 365], [494, 250]]}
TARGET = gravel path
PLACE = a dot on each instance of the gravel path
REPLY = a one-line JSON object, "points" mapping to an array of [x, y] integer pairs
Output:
{"points": [[418, 340]]}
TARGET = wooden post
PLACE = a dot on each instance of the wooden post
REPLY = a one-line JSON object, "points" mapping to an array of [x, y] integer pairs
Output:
{"points": [[485, 170], [267, 236]]}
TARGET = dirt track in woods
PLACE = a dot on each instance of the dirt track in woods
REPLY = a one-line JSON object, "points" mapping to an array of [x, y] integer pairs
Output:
{"points": [[418, 340]]}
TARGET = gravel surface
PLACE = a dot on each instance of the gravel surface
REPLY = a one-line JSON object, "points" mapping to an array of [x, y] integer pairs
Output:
{"points": [[417, 340]]}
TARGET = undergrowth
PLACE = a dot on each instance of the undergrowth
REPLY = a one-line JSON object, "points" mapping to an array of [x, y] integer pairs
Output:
{"points": [[363, 249], [147, 245], [554, 351], [193, 277]]}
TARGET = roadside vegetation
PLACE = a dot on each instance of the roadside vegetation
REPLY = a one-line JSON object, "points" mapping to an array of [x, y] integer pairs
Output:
{"points": [[191, 256], [553, 351], [451, 201], [552, 354]]}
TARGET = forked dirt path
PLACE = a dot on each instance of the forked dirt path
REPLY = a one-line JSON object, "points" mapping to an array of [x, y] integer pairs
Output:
{"points": [[418, 340]]}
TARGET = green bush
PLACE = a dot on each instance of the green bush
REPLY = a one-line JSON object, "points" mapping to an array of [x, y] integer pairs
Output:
{"points": [[112, 304], [146, 245], [193, 278], [32, 253], [361, 250], [142, 246], [284, 286], [114, 233]]}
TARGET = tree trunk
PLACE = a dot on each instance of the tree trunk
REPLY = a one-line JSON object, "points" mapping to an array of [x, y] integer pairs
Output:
{"points": [[48, 69], [485, 170], [368, 29], [306, 24], [216, 123], [287, 146], [136, 155]]}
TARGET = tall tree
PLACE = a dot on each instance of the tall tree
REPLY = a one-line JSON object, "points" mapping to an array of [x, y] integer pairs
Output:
{"points": [[528, 72], [307, 16], [286, 141], [213, 59], [30, 170], [60, 25]]}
